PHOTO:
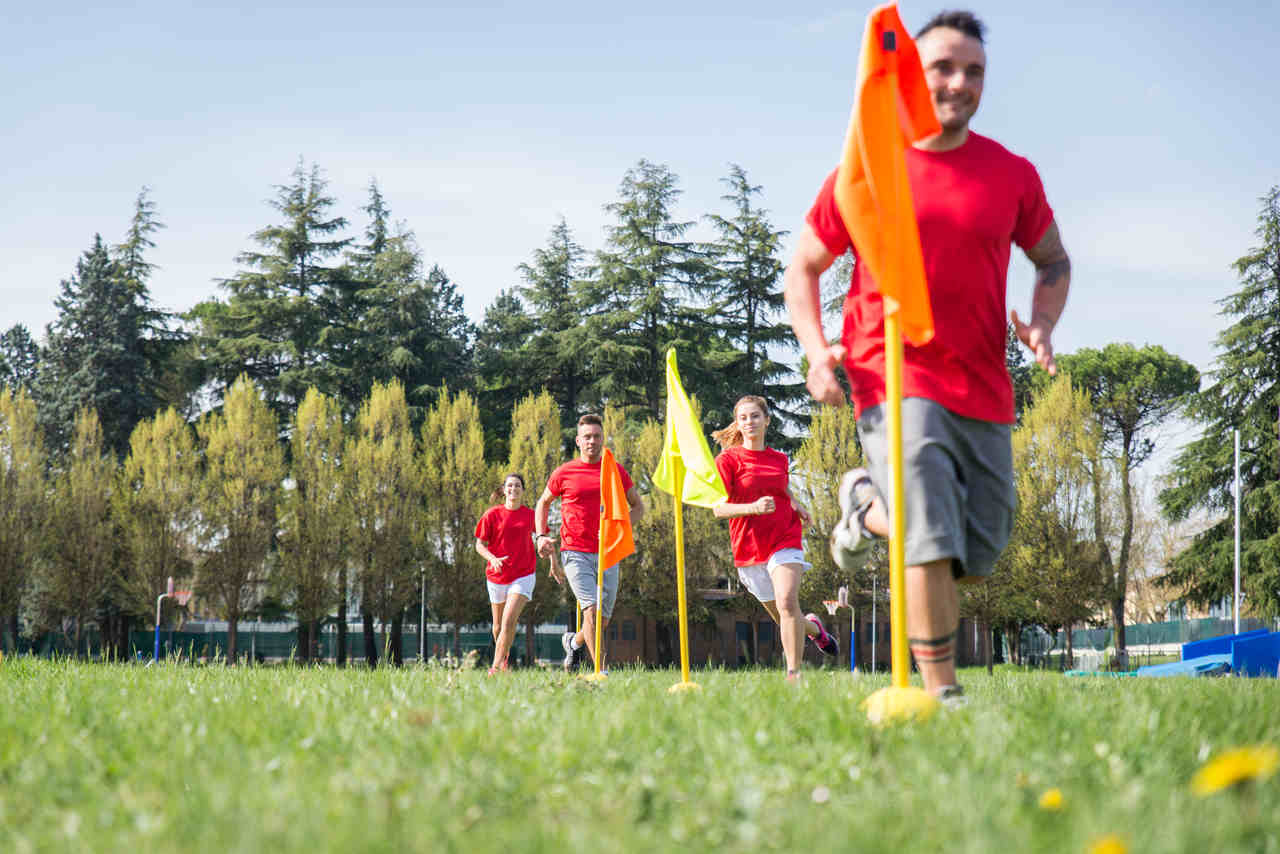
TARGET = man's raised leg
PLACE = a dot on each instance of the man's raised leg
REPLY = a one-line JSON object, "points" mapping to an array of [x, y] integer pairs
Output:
{"points": [[933, 616]]}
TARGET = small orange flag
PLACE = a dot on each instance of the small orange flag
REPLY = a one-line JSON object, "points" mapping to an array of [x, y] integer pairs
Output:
{"points": [[892, 110], [616, 541]]}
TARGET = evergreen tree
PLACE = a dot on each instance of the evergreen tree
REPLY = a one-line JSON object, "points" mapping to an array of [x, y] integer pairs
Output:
{"points": [[1244, 395], [636, 294], [238, 500], [23, 503], [502, 378], [747, 300], [96, 353], [19, 358], [407, 324], [287, 308]]}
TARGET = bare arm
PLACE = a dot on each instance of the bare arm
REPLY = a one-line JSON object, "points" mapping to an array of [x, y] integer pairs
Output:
{"points": [[800, 286], [482, 548], [540, 510], [801, 510], [637, 505], [1048, 299], [759, 507]]}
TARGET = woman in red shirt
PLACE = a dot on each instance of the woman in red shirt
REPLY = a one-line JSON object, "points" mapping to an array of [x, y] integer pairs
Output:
{"points": [[504, 538], [766, 528]]}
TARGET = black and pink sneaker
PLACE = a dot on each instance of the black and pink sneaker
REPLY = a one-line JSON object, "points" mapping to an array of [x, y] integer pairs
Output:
{"points": [[824, 640]]}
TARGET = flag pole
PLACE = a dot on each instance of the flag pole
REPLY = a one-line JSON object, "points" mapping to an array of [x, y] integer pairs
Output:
{"points": [[599, 594], [682, 601], [897, 518]]}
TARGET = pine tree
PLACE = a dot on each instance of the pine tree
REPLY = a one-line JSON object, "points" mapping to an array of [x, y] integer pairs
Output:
{"points": [[284, 310], [96, 353], [315, 517], [501, 362], [746, 299], [19, 358], [239, 499], [23, 503], [1244, 395]]}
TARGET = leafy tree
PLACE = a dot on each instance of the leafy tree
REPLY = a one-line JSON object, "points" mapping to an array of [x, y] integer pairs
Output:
{"points": [[238, 500], [535, 453], [96, 353], [1020, 372], [1051, 554], [156, 508], [1132, 390], [282, 310], [407, 324], [386, 493], [315, 517], [635, 293], [19, 358], [746, 298], [456, 484], [84, 557], [1244, 395], [23, 502]]}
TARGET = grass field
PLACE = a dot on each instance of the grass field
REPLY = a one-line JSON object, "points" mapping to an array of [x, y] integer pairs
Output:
{"points": [[123, 758]]}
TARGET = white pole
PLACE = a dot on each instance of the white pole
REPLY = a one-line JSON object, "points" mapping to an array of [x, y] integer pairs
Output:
{"points": [[1237, 599], [422, 621]]}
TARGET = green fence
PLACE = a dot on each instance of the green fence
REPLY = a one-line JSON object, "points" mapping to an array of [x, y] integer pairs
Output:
{"points": [[1173, 632]]}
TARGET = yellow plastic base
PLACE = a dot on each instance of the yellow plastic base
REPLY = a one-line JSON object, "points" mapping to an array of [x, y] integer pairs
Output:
{"points": [[594, 677], [684, 688], [893, 705]]}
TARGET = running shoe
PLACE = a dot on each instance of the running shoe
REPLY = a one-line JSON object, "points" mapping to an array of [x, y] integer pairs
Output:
{"points": [[570, 654], [824, 640], [952, 697], [850, 538]]}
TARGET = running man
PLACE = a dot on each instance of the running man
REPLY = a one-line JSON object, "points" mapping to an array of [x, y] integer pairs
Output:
{"points": [[973, 199], [766, 528], [504, 538], [577, 485]]}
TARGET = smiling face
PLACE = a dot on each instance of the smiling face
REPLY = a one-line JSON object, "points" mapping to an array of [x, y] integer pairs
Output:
{"points": [[513, 490], [590, 442], [752, 422], [955, 66]]}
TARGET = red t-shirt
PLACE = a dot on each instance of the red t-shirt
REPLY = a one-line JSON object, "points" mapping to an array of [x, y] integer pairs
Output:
{"points": [[971, 203], [577, 485], [509, 534], [749, 475]]}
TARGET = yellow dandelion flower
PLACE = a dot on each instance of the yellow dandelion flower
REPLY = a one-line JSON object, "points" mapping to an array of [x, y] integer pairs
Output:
{"points": [[1051, 800], [1109, 844], [1236, 766]]}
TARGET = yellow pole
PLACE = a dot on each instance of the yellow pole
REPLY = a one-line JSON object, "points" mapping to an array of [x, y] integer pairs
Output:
{"points": [[681, 600], [599, 593], [897, 517]]}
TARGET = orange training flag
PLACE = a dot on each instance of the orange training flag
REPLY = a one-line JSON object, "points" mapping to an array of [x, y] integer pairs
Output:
{"points": [[892, 110], [615, 515]]}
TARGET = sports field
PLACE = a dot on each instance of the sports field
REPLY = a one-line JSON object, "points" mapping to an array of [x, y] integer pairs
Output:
{"points": [[177, 758]]}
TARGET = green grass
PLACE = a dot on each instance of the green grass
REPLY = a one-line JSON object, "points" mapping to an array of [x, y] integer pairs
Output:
{"points": [[129, 759]]}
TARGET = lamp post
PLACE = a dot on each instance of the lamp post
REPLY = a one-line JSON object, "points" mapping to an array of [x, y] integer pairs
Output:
{"points": [[168, 592]]}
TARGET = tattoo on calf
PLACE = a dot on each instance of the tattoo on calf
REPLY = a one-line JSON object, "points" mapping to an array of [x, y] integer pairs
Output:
{"points": [[933, 650]]}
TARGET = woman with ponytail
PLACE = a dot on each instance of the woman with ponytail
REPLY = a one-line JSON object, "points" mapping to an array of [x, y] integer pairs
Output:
{"points": [[766, 528], [504, 538]]}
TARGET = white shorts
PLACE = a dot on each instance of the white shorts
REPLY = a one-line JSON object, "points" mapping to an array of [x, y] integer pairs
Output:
{"points": [[756, 578], [523, 585]]}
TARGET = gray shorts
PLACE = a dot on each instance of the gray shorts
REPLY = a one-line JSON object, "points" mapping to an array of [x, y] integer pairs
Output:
{"points": [[580, 569], [958, 483]]}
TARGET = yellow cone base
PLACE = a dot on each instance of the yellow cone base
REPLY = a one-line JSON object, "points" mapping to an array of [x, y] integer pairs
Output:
{"points": [[594, 677], [893, 705], [684, 688]]}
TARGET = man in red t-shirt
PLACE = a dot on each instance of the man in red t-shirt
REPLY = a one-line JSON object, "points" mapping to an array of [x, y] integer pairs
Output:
{"points": [[973, 199], [577, 485]]}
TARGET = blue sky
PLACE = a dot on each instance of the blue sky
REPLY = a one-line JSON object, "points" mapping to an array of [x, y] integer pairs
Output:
{"points": [[1154, 131]]}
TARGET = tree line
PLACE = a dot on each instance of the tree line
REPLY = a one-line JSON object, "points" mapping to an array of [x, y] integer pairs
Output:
{"points": [[330, 335]]}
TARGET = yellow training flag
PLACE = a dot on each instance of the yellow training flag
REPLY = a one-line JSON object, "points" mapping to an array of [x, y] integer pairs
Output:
{"points": [[702, 484]]}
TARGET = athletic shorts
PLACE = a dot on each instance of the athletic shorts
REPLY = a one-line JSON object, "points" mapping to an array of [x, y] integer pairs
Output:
{"points": [[523, 585], [580, 569], [957, 484], [756, 578]]}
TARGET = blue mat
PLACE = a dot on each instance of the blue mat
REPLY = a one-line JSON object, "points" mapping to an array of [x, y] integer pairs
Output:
{"points": [[1205, 665]]}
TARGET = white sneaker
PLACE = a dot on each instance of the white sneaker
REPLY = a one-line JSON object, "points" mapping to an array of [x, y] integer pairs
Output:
{"points": [[570, 654], [850, 538]]}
